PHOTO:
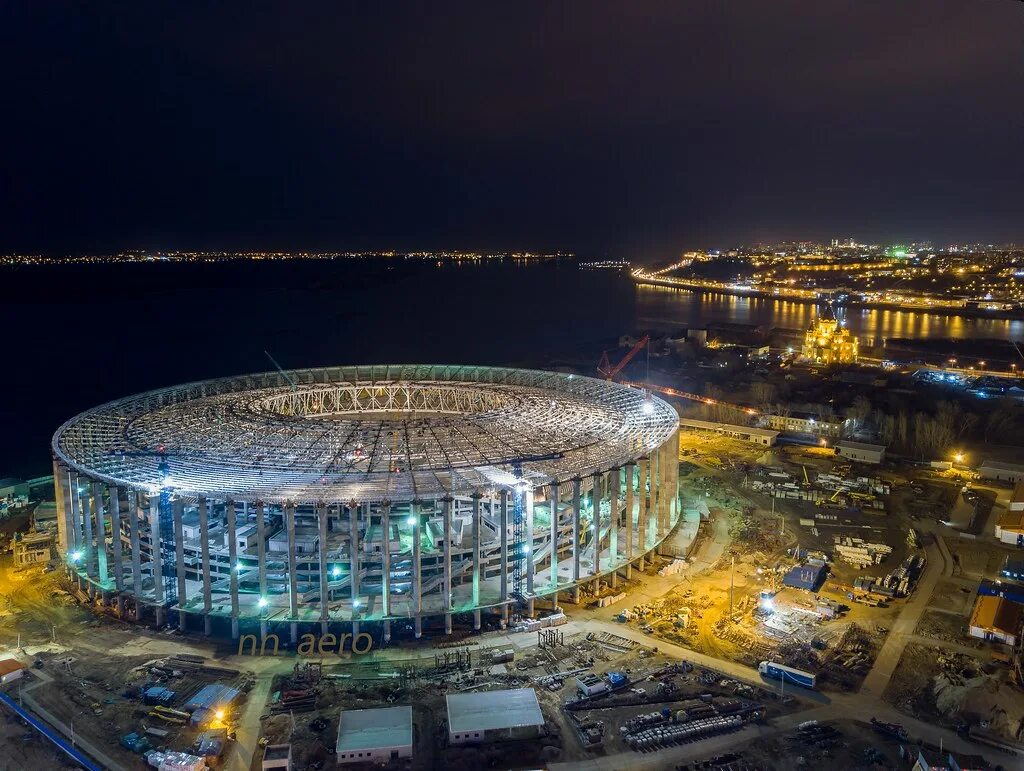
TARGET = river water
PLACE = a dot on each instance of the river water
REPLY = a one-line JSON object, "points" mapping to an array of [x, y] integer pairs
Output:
{"points": [[660, 306], [77, 336]]}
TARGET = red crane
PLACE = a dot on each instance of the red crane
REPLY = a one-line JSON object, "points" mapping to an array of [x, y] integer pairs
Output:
{"points": [[605, 368]]}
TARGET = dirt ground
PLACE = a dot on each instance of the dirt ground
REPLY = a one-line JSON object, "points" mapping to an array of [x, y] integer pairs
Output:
{"points": [[762, 535], [932, 683], [21, 747], [843, 744]]}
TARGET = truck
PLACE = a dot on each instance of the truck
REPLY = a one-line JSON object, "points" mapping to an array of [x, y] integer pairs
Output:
{"points": [[787, 674]]}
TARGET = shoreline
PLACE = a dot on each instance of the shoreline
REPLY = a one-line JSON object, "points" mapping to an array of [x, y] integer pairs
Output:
{"points": [[969, 313]]}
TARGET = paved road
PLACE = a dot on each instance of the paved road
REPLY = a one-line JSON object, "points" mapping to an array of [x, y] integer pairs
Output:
{"points": [[247, 734], [889, 657]]}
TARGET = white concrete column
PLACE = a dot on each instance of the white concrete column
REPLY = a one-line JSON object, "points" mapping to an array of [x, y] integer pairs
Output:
{"points": [[477, 553], [293, 571], [385, 565], [553, 494], [596, 523], [353, 545], [229, 509], [641, 519], [134, 525], [577, 537], [503, 556], [531, 562], [446, 513], [417, 569], [261, 547], [85, 501], [100, 529], [325, 592], [613, 524], [652, 527], [115, 531], [61, 496], [204, 547], [178, 509], [78, 534], [630, 502], [155, 554]]}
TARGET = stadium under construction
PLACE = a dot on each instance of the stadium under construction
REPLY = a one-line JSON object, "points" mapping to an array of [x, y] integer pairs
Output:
{"points": [[322, 500]]}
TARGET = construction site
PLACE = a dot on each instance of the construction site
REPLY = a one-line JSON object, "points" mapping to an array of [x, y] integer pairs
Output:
{"points": [[786, 607]]}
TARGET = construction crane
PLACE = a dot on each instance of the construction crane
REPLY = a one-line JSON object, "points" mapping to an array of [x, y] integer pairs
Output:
{"points": [[519, 543], [684, 395], [605, 368], [168, 563]]}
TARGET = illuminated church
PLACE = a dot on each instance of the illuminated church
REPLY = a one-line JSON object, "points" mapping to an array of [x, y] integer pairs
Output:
{"points": [[826, 342]]}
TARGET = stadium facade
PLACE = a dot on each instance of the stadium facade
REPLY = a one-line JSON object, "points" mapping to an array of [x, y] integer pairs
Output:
{"points": [[325, 499]]}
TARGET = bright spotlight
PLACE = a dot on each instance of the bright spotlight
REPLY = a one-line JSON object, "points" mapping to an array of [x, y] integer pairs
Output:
{"points": [[335, 571], [75, 556], [262, 602], [647, 407], [411, 521]]}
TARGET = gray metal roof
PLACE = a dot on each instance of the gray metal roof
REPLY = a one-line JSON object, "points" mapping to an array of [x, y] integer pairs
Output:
{"points": [[489, 710], [362, 729], [389, 432], [863, 446]]}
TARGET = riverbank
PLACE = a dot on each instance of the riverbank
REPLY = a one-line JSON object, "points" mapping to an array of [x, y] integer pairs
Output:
{"points": [[964, 312]]}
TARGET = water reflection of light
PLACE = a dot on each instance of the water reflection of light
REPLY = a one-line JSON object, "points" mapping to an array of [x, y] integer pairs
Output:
{"points": [[670, 305]]}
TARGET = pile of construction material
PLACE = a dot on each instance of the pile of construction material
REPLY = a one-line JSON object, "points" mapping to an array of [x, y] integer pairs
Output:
{"points": [[859, 552], [898, 583], [866, 485], [604, 602], [675, 733], [674, 568], [555, 619], [175, 761]]}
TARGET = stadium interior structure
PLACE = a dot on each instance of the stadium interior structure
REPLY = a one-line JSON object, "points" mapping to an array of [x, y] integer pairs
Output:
{"points": [[313, 500]]}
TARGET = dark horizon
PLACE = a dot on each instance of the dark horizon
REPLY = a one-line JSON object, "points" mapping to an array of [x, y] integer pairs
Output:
{"points": [[603, 129]]}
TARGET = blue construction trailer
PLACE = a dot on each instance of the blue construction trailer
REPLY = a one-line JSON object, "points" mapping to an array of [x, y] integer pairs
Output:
{"points": [[787, 674]]}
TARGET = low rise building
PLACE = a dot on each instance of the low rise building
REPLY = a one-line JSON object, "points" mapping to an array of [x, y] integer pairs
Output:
{"points": [[861, 452], [1001, 472], [277, 757], [476, 717], [1010, 528], [804, 423], [374, 735], [10, 670], [996, 619], [32, 548], [1017, 497], [762, 436]]}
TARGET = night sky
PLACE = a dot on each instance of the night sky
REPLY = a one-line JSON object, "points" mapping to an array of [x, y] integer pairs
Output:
{"points": [[635, 128]]}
